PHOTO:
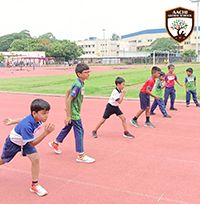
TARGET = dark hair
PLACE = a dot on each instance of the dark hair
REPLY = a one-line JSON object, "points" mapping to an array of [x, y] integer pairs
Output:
{"points": [[189, 70], [162, 73], [119, 80], [155, 69], [39, 104], [170, 65], [81, 67]]}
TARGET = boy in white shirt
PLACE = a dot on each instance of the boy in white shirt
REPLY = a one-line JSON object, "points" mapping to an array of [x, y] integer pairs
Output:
{"points": [[112, 107]]}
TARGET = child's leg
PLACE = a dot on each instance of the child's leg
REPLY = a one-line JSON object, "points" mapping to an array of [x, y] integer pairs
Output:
{"points": [[100, 124], [172, 97], [139, 113], [166, 95], [188, 95], [162, 107], [1, 162], [147, 112], [63, 133], [35, 166], [79, 134], [154, 106], [124, 124], [194, 95]]}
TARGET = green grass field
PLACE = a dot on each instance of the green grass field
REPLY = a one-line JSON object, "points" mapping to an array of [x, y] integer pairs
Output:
{"points": [[99, 84]]}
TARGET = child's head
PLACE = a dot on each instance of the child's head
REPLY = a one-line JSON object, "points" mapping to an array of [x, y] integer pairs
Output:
{"points": [[40, 110], [155, 71], [82, 71], [171, 68], [189, 71], [162, 76], [120, 83]]}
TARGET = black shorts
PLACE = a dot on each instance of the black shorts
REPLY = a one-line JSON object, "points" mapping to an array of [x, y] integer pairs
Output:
{"points": [[110, 110], [144, 101]]}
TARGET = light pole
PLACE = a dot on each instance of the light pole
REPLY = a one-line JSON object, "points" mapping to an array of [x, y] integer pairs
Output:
{"points": [[104, 37], [197, 28]]}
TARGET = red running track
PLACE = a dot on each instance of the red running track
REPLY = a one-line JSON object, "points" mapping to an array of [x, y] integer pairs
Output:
{"points": [[159, 166]]}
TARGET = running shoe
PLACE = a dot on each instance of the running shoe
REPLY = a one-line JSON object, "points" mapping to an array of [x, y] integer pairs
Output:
{"points": [[38, 189], [55, 147]]}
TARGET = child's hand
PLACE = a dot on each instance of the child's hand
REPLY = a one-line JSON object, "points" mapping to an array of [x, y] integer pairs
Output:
{"points": [[157, 98], [49, 128], [8, 121], [124, 92], [67, 120]]}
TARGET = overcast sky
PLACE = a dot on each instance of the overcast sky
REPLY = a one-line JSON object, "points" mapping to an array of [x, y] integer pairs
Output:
{"points": [[80, 19]]}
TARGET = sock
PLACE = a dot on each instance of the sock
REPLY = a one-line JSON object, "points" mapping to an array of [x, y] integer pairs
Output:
{"points": [[80, 155], [56, 142], [147, 119], [34, 182], [135, 118]]}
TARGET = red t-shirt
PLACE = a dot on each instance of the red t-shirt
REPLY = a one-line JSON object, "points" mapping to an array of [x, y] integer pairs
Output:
{"points": [[148, 85], [170, 80]]}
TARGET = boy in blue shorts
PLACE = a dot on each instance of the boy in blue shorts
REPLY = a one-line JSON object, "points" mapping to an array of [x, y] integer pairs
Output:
{"points": [[74, 99], [190, 85], [112, 107], [24, 137], [145, 93], [159, 92]]}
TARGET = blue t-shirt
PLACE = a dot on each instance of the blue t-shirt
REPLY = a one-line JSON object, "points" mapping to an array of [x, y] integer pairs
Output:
{"points": [[25, 131]]}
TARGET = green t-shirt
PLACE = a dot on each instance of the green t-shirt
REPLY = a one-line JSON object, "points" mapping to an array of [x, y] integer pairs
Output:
{"points": [[77, 92], [190, 82], [158, 88]]}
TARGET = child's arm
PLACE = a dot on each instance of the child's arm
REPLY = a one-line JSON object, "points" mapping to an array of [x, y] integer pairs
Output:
{"points": [[151, 94], [121, 97], [178, 82], [47, 130], [68, 109], [9, 121]]}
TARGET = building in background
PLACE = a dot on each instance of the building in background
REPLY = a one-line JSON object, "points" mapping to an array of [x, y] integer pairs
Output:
{"points": [[143, 39]]}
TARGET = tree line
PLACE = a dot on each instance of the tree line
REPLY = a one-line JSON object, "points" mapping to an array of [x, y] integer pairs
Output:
{"points": [[47, 42]]}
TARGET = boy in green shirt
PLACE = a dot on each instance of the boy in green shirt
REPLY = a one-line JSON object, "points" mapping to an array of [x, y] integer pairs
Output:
{"points": [[190, 85], [74, 99], [159, 92]]}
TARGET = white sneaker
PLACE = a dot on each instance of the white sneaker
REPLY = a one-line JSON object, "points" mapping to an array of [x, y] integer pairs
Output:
{"points": [[85, 159], [55, 147], [39, 190]]}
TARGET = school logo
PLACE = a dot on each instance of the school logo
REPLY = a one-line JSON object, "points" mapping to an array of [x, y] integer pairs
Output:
{"points": [[179, 23]]}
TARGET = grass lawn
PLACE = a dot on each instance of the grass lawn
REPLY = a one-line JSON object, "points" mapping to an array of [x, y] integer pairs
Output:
{"points": [[99, 84]]}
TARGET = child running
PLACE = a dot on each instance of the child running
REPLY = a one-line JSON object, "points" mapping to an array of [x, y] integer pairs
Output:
{"points": [[144, 95], [170, 80], [74, 99], [23, 138], [159, 92], [112, 107], [190, 85]]}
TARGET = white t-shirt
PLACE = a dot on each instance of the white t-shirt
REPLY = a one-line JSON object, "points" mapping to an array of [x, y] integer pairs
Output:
{"points": [[115, 95]]}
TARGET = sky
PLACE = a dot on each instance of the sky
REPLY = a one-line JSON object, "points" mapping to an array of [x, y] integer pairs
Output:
{"points": [[81, 19]]}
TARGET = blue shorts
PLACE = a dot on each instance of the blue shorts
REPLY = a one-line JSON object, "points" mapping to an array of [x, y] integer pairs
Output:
{"points": [[144, 101], [10, 150]]}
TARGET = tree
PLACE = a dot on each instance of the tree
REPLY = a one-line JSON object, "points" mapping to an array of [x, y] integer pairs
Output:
{"points": [[1, 57], [164, 44], [7, 40], [115, 37], [189, 53], [179, 25], [64, 48]]}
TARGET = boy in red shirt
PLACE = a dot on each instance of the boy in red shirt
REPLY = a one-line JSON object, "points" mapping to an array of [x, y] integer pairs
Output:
{"points": [[145, 94], [170, 79]]}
